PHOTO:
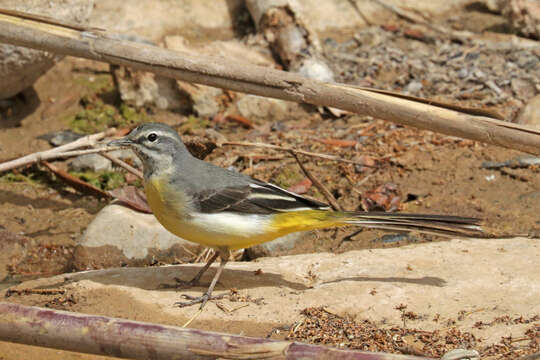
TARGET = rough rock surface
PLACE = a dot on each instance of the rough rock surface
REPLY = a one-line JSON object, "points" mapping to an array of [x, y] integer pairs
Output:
{"points": [[13, 249], [530, 113], [483, 279], [20, 67], [119, 236]]}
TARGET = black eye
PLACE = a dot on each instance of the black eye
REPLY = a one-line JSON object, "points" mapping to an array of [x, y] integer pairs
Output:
{"points": [[152, 137]]}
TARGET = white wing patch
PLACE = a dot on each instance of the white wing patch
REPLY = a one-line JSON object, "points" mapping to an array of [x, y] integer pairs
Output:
{"points": [[271, 197]]}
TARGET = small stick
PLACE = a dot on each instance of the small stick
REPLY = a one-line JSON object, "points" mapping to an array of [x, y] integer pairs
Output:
{"points": [[294, 151], [329, 197], [73, 153], [89, 140], [122, 164]]}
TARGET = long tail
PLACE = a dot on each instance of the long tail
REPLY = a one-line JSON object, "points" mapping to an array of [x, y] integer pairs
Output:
{"points": [[432, 224]]}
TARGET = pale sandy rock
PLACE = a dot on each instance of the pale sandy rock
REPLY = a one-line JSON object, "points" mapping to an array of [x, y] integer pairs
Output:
{"points": [[139, 88], [530, 113], [524, 15], [121, 236], [263, 108], [484, 278], [155, 19], [20, 67]]}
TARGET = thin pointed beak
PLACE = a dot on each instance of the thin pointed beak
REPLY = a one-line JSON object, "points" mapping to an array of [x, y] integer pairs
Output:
{"points": [[120, 142]]}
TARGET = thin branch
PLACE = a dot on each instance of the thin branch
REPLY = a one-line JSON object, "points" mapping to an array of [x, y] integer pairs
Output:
{"points": [[122, 164], [295, 151], [264, 81], [327, 194], [50, 154]]}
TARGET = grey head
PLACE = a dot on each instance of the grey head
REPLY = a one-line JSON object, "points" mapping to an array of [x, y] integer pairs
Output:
{"points": [[157, 145]]}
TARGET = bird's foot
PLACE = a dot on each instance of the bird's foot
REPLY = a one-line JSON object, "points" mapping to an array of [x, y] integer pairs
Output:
{"points": [[198, 299]]}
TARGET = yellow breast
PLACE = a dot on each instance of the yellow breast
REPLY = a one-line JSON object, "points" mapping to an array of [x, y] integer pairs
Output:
{"points": [[168, 204]]}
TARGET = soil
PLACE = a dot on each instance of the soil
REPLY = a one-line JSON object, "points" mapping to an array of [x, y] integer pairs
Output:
{"points": [[430, 173]]}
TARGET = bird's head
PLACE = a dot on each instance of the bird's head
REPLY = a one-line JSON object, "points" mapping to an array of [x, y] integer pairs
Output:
{"points": [[157, 145]]}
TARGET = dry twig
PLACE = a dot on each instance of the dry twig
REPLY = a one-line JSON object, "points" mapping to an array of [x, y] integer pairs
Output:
{"points": [[58, 152], [122, 164], [327, 194], [293, 151]]}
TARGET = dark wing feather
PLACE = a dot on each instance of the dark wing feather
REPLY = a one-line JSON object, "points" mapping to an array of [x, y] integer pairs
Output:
{"points": [[254, 198], [234, 199]]}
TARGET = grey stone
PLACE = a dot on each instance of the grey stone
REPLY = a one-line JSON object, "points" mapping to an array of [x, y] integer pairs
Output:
{"points": [[317, 69], [414, 87], [140, 88], [20, 67], [93, 162], [121, 236], [96, 162]]}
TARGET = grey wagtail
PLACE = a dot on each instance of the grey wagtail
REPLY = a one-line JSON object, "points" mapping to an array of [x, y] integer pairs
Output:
{"points": [[226, 210]]}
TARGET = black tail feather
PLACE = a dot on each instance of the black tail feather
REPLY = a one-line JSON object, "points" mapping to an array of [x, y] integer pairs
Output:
{"points": [[454, 226]]}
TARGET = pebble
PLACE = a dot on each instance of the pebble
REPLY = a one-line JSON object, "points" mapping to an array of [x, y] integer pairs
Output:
{"points": [[461, 354]]}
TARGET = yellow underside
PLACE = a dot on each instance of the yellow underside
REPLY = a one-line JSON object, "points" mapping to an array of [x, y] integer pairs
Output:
{"points": [[169, 208]]}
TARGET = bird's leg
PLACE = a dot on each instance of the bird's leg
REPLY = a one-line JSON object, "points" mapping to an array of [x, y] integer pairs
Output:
{"points": [[208, 294], [196, 278]]}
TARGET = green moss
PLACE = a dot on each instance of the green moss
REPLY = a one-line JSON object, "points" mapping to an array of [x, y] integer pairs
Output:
{"points": [[287, 177], [98, 116], [33, 176], [193, 123], [105, 180], [11, 178], [96, 83]]}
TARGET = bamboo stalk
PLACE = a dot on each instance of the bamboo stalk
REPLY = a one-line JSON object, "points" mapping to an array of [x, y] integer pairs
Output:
{"points": [[127, 339], [218, 72]]}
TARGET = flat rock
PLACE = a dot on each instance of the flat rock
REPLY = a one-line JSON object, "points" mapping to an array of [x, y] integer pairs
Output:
{"points": [[20, 67], [120, 236], [485, 279]]}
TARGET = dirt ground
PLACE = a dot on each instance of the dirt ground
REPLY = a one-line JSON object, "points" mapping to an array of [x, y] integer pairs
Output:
{"points": [[420, 171]]}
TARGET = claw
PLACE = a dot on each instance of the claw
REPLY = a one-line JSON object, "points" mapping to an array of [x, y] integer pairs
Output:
{"points": [[198, 299]]}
